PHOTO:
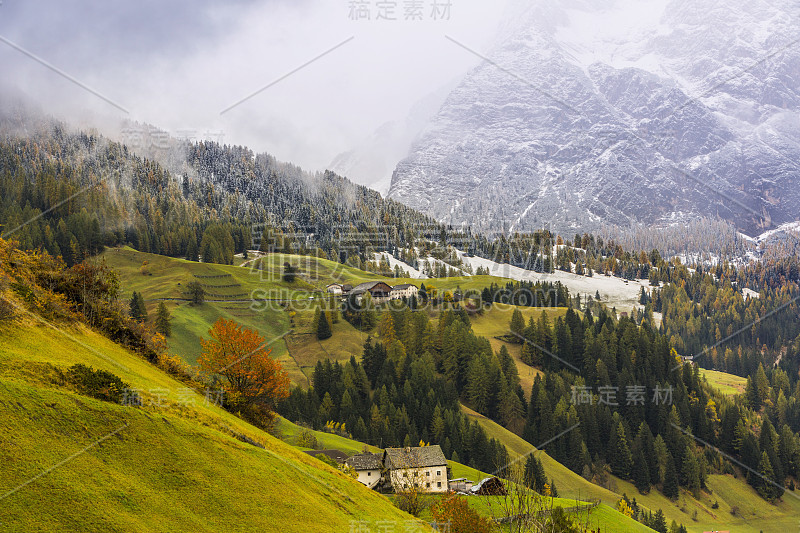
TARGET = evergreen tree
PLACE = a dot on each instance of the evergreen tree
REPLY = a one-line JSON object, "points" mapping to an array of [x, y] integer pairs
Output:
{"points": [[195, 292], [659, 522], [138, 310], [621, 459], [517, 326], [641, 473], [323, 326], [670, 488], [289, 272], [191, 250], [766, 484], [163, 318], [690, 470]]}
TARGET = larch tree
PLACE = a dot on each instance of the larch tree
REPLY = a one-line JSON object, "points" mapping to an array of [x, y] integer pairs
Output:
{"points": [[251, 379]]}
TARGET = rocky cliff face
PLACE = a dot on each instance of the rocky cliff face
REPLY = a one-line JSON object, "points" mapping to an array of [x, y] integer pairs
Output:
{"points": [[639, 110]]}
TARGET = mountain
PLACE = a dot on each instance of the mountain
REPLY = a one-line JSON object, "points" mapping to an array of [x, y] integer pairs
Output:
{"points": [[584, 114]]}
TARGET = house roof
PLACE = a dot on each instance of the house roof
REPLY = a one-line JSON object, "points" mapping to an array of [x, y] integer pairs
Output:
{"points": [[421, 457], [489, 486], [366, 461], [336, 455], [369, 285], [403, 286], [333, 285]]}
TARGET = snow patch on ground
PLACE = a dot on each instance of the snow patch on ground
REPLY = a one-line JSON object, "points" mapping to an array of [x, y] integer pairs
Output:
{"points": [[412, 272], [749, 293], [789, 226], [614, 292]]}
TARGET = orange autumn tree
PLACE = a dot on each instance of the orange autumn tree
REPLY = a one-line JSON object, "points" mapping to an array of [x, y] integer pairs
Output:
{"points": [[459, 516], [253, 381]]}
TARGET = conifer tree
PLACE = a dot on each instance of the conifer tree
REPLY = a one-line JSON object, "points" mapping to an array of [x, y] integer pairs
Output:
{"points": [[323, 326], [620, 459], [641, 473], [163, 318], [138, 310], [517, 325], [670, 488], [191, 250]]}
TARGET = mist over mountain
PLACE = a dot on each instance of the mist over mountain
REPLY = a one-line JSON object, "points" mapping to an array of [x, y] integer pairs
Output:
{"points": [[629, 111]]}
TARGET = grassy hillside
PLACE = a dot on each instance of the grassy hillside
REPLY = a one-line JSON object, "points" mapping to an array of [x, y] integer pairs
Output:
{"points": [[731, 495], [569, 484], [727, 384], [300, 350], [166, 466], [230, 289], [605, 517]]}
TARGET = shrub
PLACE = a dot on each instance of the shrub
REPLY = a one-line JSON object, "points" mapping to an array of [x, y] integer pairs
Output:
{"points": [[454, 511], [306, 439], [96, 383]]}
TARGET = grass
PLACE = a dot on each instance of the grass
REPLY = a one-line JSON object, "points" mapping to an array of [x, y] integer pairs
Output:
{"points": [[727, 384], [165, 279], [728, 492], [166, 464], [568, 483], [289, 432]]}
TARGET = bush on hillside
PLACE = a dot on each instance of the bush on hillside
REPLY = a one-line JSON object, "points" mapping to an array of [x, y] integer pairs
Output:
{"points": [[97, 383]]}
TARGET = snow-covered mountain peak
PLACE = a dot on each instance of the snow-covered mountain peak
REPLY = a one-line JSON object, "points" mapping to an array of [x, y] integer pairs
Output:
{"points": [[611, 112]]}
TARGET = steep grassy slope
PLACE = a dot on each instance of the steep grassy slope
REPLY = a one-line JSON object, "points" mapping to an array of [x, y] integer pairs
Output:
{"points": [[752, 513], [605, 517], [569, 484], [172, 465]]}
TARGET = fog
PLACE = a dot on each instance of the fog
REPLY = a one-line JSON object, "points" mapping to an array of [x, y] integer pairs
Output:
{"points": [[327, 78]]}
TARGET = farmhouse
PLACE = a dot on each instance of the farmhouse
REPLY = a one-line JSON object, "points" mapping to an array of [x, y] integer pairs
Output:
{"points": [[405, 290], [423, 469], [334, 288], [378, 290], [369, 467]]}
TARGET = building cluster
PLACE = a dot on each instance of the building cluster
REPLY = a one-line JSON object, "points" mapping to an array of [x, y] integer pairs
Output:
{"points": [[379, 291], [421, 469]]}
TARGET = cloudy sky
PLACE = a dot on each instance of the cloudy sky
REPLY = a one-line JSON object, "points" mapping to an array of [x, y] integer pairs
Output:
{"points": [[180, 65]]}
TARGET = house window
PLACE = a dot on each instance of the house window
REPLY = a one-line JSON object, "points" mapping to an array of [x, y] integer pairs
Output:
{"points": [[439, 484], [438, 472], [428, 473], [369, 474], [428, 485]]}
